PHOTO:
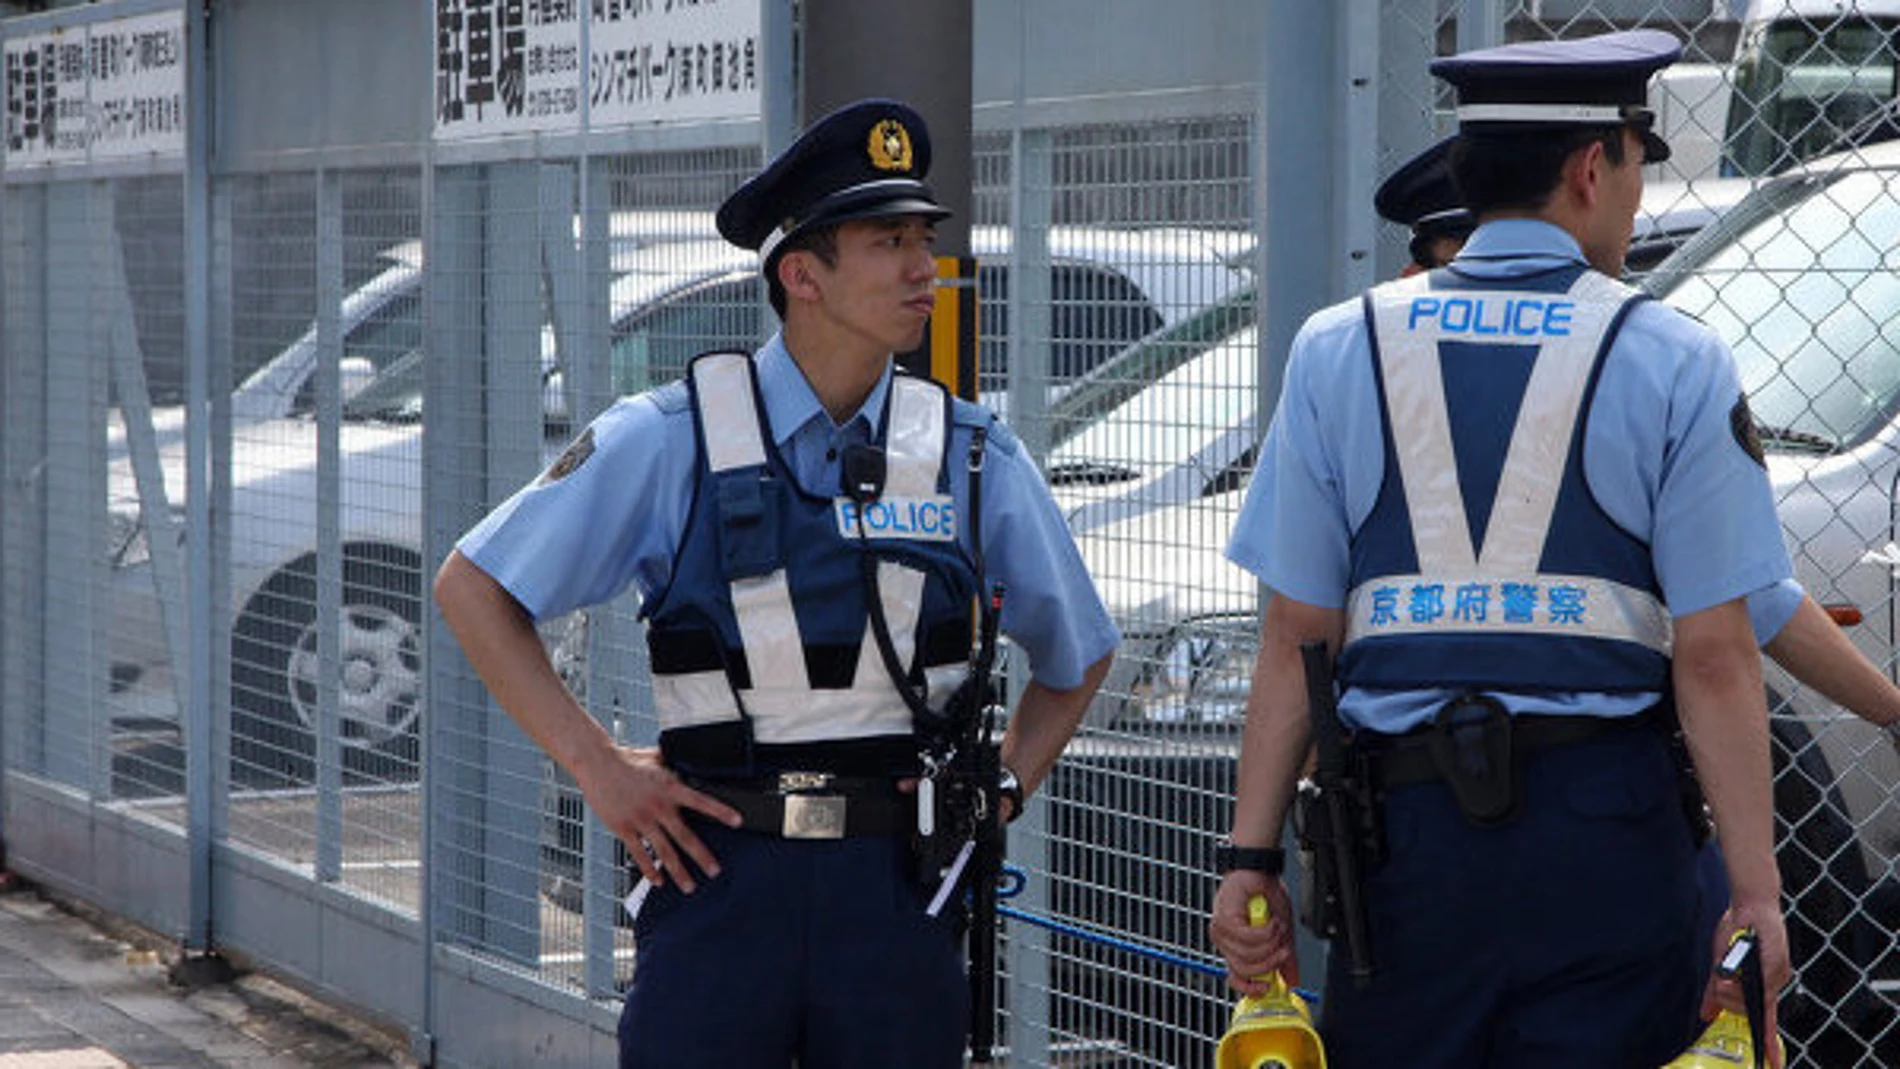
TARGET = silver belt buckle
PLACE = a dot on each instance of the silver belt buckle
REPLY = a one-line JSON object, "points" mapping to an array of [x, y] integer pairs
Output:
{"points": [[813, 816]]}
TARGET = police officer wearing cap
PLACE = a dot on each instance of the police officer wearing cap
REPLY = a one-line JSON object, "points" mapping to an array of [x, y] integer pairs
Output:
{"points": [[1524, 505], [1419, 195], [805, 526]]}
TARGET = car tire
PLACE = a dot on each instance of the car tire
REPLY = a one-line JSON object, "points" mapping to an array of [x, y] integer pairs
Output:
{"points": [[1824, 883], [274, 671]]}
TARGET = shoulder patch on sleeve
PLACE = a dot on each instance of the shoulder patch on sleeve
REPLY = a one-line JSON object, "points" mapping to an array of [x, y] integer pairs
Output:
{"points": [[1742, 422], [571, 458]]}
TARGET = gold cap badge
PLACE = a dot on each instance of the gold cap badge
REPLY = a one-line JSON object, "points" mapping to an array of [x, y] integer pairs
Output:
{"points": [[890, 146]]}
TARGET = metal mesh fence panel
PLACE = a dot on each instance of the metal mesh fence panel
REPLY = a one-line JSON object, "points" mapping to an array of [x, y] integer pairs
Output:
{"points": [[324, 693], [59, 308], [1130, 368]]}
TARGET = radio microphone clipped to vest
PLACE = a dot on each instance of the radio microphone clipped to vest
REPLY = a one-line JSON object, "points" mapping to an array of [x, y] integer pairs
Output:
{"points": [[863, 475]]}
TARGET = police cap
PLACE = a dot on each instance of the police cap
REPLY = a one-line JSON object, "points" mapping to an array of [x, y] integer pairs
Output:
{"points": [[865, 160], [1420, 194], [1593, 81]]}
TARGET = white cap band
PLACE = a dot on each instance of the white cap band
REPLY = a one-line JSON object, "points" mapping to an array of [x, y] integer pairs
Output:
{"points": [[1580, 114]]}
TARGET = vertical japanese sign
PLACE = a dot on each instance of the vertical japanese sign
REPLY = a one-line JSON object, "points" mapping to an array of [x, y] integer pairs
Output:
{"points": [[106, 90], [515, 66]]}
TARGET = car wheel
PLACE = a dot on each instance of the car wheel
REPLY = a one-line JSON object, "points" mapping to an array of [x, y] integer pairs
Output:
{"points": [[275, 671], [1824, 882]]}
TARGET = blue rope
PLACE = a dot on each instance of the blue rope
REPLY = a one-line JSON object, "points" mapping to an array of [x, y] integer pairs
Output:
{"points": [[1087, 936], [1012, 882]]}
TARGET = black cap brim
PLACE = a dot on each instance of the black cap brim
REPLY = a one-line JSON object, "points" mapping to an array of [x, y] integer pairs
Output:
{"points": [[1655, 149]]}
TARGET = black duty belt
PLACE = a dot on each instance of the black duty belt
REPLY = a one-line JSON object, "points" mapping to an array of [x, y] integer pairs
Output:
{"points": [[1403, 760], [815, 805]]}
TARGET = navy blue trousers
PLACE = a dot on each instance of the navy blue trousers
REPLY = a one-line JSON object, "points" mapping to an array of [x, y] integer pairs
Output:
{"points": [[814, 951], [1567, 939]]}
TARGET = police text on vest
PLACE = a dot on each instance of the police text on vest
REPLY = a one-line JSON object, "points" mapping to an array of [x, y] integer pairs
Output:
{"points": [[1492, 316], [921, 519]]}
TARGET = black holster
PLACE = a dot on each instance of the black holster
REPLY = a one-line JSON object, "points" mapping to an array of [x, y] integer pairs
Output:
{"points": [[1321, 839], [1470, 742], [1320, 907]]}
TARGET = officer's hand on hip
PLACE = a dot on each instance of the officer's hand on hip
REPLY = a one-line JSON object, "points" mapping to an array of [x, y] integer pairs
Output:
{"points": [[1253, 953], [641, 802]]}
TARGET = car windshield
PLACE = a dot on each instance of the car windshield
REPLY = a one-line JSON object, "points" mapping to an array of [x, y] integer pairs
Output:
{"points": [[1199, 413], [1800, 85], [394, 395], [1802, 284]]}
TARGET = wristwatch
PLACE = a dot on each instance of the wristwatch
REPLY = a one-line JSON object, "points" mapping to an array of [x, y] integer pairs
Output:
{"points": [[1008, 786], [1267, 860]]}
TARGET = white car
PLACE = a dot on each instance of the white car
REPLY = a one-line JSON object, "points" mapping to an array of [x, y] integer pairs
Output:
{"points": [[1801, 282], [670, 300]]}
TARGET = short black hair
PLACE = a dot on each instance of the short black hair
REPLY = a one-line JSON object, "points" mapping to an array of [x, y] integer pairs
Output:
{"points": [[820, 241], [1422, 239], [1498, 171]]}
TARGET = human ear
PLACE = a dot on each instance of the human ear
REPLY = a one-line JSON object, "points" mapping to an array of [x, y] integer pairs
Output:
{"points": [[794, 273]]}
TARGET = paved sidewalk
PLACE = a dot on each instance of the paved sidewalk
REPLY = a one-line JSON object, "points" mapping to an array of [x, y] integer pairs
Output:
{"points": [[82, 991]]}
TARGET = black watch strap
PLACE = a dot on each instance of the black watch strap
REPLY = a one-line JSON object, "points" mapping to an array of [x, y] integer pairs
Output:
{"points": [[1268, 860]]}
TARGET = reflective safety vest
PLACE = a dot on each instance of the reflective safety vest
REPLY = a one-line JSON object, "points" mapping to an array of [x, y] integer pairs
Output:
{"points": [[1486, 562], [765, 622]]}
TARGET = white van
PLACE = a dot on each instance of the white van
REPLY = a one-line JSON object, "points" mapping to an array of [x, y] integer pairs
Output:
{"points": [[1805, 73]]}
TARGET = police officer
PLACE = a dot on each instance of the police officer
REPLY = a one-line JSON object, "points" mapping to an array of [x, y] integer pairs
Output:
{"points": [[1524, 505], [804, 526]]}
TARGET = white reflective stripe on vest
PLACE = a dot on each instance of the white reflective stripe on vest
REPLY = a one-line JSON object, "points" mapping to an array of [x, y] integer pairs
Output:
{"points": [[914, 443], [774, 652], [794, 715], [781, 701], [1421, 433], [723, 384], [902, 591], [1534, 464], [690, 699], [1586, 607]]}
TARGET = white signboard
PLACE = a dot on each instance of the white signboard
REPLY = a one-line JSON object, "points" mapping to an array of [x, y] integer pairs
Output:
{"points": [[515, 66], [108, 90]]}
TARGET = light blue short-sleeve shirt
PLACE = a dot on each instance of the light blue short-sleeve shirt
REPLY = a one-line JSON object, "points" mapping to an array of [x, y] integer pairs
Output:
{"points": [[1660, 456], [616, 518]]}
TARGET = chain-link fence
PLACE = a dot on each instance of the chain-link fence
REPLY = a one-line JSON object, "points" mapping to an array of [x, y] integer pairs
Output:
{"points": [[224, 497]]}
